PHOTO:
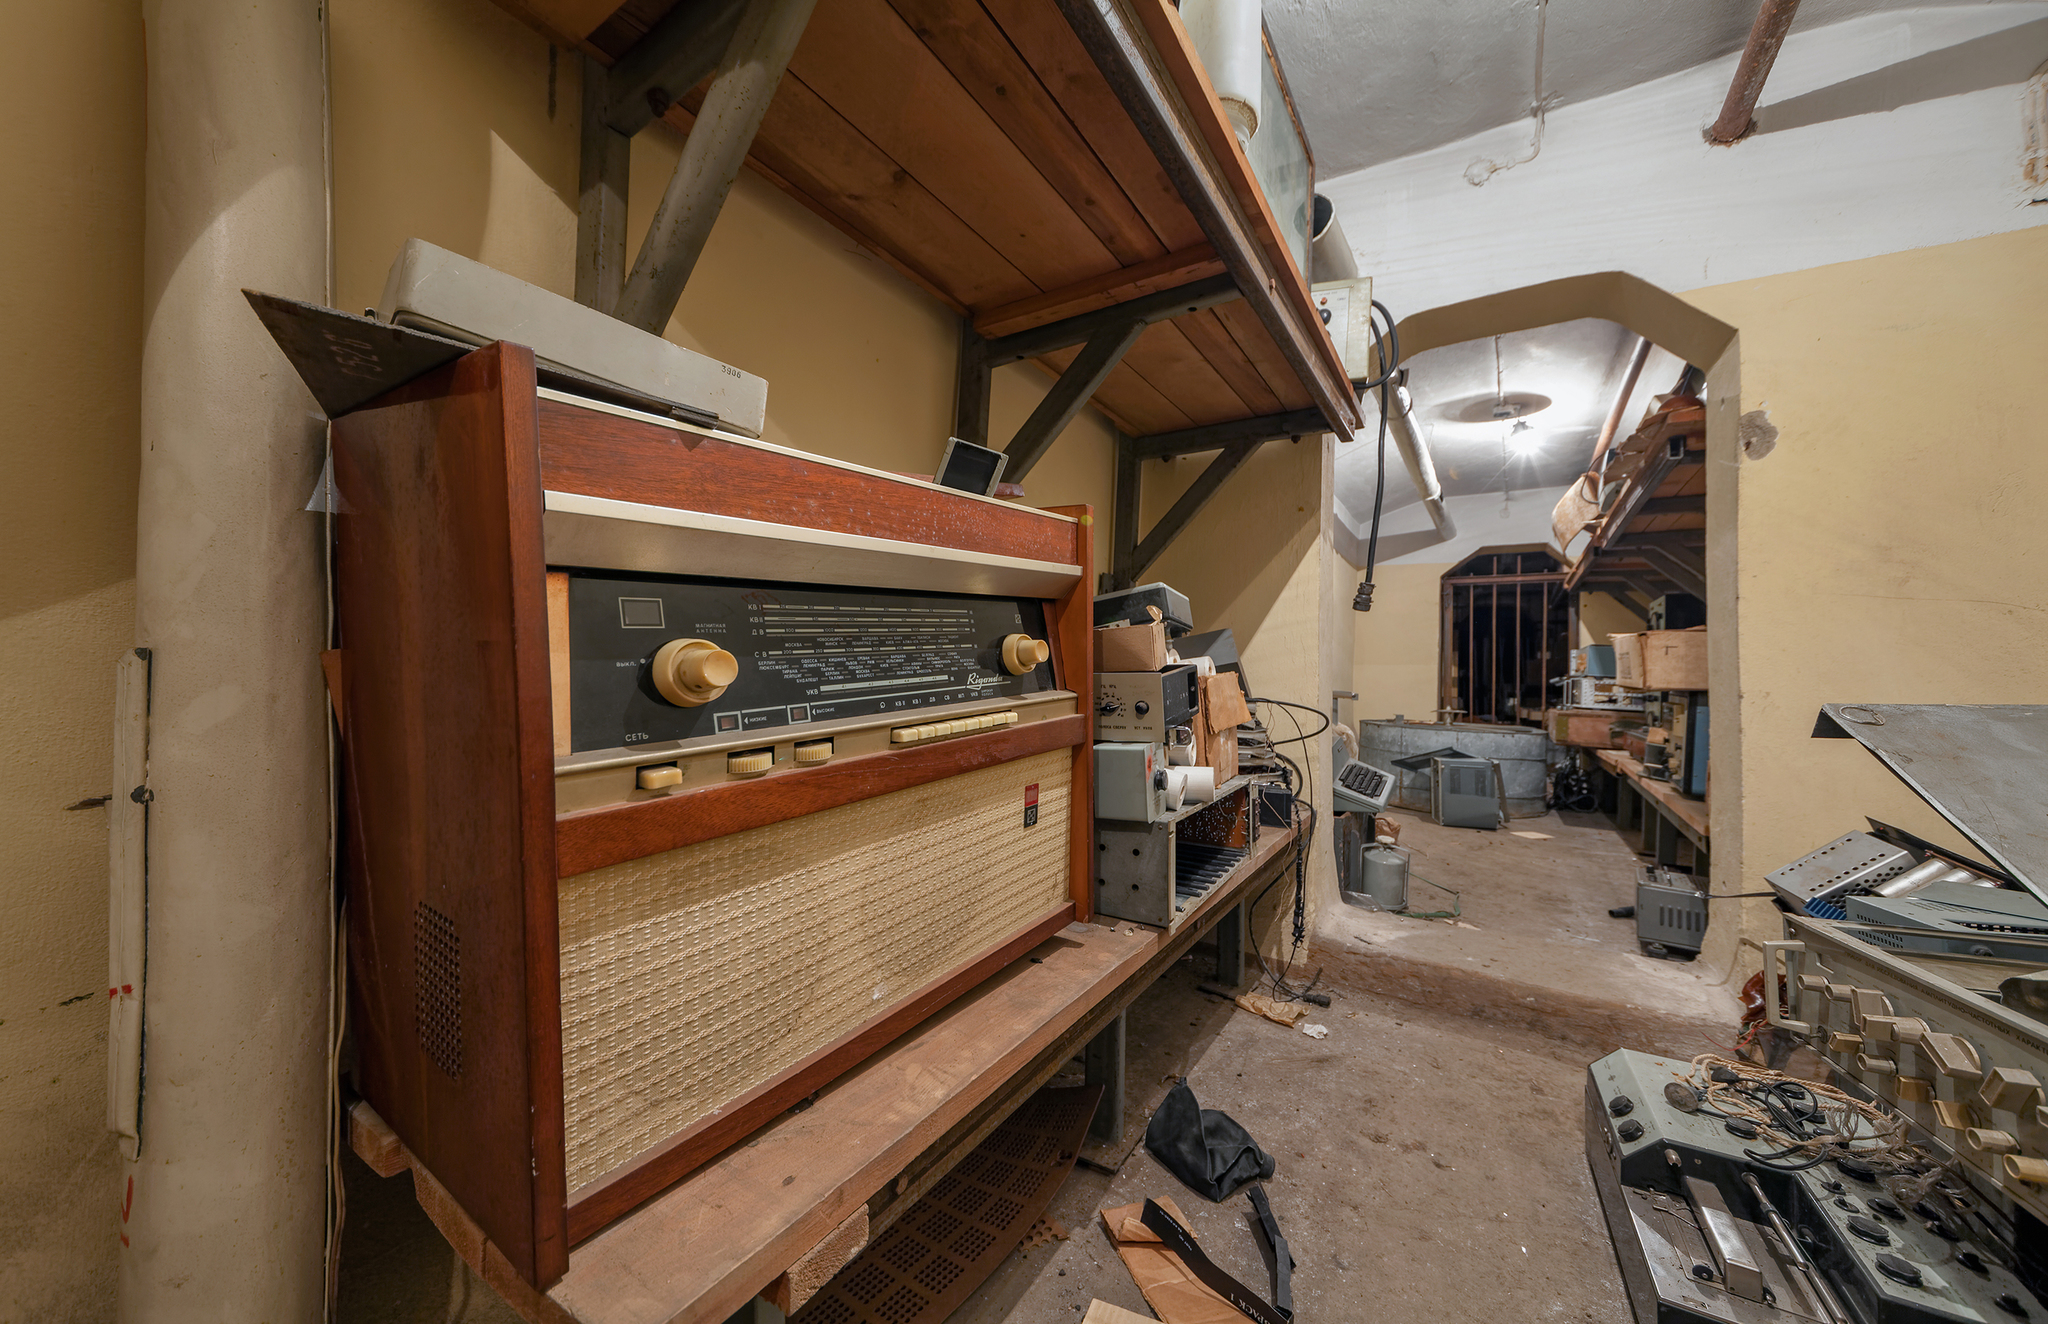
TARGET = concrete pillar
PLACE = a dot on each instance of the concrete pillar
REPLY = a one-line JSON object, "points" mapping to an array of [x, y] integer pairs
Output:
{"points": [[224, 1208]]}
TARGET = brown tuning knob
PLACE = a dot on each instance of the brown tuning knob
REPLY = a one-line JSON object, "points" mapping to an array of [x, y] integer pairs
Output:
{"points": [[2009, 1089], [1021, 653], [689, 672], [1952, 1055]]}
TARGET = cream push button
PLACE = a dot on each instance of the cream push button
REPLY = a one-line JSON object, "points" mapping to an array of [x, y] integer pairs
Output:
{"points": [[659, 777], [915, 735]]}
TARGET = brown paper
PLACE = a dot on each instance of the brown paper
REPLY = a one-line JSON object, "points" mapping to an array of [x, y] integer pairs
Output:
{"points": [[1101, 1312], [1223, 699], [1170, 1288], [1280, 1013]]}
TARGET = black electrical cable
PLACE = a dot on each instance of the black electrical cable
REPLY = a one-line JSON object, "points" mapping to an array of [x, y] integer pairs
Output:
{"points": [[1282, 703], [1389, 358]]}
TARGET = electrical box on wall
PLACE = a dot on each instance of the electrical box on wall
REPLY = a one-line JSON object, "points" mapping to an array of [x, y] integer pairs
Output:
{"points": [[1345, 307]]}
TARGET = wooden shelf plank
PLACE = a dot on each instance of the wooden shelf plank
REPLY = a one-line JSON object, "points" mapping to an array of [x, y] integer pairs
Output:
{"points": [[926, 122], [1166, 359], [1690, 814]]}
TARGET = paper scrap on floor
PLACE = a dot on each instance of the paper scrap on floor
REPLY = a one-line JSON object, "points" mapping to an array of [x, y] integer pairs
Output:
{"points": [[1280, 1013], [1101, 1312], [1316, 1031], [1533, 836], [1170, 1287]]}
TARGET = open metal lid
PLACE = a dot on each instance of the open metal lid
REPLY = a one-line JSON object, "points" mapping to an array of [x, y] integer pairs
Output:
{"points": [[1984, 768]]}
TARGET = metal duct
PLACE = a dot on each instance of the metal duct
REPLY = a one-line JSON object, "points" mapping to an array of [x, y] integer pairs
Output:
{"points": [[222, 1202], [1230, 38], [1329, 254], [1415, 454]]}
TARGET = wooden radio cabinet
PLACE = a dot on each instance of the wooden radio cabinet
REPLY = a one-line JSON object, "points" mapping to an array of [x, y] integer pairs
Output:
{"points": [[579, 971]]}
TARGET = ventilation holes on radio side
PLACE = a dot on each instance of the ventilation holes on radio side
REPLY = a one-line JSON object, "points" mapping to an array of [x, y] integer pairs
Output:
{"points": [[437, 988]]}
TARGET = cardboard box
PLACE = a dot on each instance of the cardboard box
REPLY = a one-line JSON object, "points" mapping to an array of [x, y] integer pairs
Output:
{"points": [[1583, 728], [1662, 659], [1224, 700], [1131, 647]]}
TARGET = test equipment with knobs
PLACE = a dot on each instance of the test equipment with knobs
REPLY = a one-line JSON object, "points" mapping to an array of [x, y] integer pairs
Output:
{"points": [[682, 771], [1913, 1189]]}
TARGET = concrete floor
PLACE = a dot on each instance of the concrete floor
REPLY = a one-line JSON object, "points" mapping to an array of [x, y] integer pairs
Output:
{"points": [[1430, 1162]]}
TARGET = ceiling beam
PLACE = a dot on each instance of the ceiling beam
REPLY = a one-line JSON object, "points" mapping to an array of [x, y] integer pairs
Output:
{"points": [[1689, 577], [1070, 394], [677, 53], [748, 74], [1198, 494], [1216, 436], [1674, 505], [1158, 306]]}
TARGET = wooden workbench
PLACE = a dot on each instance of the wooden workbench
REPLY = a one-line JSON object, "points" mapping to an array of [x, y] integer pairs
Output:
{"points": [[873, 1143], [1663, 815]]}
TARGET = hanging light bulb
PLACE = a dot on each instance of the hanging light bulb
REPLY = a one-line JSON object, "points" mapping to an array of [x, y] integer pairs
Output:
{"points": [[1522, 437]]}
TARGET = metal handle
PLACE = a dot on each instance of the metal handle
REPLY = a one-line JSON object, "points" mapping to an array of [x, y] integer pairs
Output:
{"points": [[1771, 1015]]}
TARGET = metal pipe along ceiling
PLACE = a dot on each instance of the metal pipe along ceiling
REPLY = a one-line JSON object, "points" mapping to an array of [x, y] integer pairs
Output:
{"points": [[1766, 35], [1421, 468]]}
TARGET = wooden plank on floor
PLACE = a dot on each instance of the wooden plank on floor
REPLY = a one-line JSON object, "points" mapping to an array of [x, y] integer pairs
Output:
{"points": [[968, 42], [1047, 42], [927, 123], [809, 149], [707, 1246]]}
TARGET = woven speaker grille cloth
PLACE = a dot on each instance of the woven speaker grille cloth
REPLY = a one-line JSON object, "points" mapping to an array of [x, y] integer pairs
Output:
{"points": [[692, 976]]}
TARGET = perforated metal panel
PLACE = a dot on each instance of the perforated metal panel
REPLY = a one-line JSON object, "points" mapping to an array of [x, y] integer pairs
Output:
{"points": [[692, 976], [437, 988]]}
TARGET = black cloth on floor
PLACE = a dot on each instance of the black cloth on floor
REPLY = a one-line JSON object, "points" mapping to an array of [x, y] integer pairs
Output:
{"points": [[1203, 1147]]}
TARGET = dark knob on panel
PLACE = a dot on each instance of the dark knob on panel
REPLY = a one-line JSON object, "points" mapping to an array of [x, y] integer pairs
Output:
{"points": [[1898, 1270], [1142, 707], [1870, 1230], [1620, 1105], [1631, 1130], [2010, 1304]]}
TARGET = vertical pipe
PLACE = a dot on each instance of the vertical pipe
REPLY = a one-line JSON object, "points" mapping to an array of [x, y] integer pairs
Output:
{"points": [[224, 1206], [1520, 684], [1493, 652]]}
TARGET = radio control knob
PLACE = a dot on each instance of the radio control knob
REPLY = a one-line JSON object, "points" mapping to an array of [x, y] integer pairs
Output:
{"points": [[747, 765], [1021, 653], [689, 672], [817, 751]]}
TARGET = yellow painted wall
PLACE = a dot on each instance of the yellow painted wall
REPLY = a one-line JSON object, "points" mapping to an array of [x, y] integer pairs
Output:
{"points": [[70, 347], [1601, 617], [442, 131], [1397, 643], [1890, 545]]}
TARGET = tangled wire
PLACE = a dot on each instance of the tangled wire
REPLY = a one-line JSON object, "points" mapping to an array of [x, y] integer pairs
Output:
{"points": [[1804, 1122]]}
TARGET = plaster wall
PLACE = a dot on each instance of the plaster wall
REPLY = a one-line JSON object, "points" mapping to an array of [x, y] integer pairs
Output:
{"points": [[443, 131], [1624, 182], [70, 351], [1601, 618], [1889, 543]]}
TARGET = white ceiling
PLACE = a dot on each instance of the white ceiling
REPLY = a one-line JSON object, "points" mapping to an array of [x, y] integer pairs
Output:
{"points": [[1375, 80], [1578, 365]]}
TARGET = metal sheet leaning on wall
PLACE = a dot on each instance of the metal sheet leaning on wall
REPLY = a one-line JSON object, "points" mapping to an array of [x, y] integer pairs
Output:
{"points": [[224, 1209]]}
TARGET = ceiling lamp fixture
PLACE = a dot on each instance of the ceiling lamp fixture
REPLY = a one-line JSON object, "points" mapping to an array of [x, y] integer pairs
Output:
{"points": [[1520, 437]]}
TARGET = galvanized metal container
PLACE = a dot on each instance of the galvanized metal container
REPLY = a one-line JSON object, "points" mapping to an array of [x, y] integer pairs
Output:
{"points": [[1386, 876], [1522, 751]]}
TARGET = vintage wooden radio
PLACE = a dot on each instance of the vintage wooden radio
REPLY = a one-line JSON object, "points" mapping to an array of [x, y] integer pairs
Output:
{"points": [[682, 772]]}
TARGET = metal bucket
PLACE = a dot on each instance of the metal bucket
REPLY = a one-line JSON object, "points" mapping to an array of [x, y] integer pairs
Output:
{"points": [[1523, 753], [1386, 876]]}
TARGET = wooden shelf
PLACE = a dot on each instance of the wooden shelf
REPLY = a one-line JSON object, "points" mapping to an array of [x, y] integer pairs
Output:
{"points": [[983, 151], [1690, 815]]}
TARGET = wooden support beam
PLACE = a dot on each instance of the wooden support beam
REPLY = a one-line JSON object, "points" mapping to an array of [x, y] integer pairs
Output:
{"points": [[1103, 1064], [1082, 379], [1105, 291], [748, 74], [1636, 541], [1688, 576], [677, 53], [1198, 494], [602, 175], [1677, 505], [1216, 436], [1146, 309], [972, 387], [1129, 501]]}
